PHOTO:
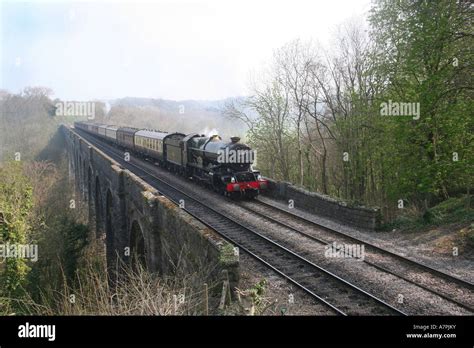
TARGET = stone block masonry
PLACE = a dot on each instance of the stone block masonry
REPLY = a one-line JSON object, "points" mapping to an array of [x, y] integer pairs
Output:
{"points": [[315, 203]]}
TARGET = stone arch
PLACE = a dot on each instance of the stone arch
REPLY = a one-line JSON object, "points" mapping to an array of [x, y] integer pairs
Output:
{"points": [[70, 158], [73, 160], [79, 174], [109, 230], [89, 184], [98, 209], [75, 168], [138, 250], [76, 158], [84, 179]]}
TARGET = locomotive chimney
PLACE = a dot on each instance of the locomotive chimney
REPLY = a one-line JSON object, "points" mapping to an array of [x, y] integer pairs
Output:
{"points": [[235, 139]]}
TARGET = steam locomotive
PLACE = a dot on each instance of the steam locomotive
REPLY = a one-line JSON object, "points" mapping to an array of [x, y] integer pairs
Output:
{"points": [[226, 167]]}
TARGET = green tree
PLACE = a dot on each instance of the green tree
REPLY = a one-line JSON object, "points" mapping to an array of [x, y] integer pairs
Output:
{"points": [[424, 51], [15, 207]]}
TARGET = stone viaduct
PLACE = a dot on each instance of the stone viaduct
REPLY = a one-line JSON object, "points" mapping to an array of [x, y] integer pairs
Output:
{"points": [[134, 219]]}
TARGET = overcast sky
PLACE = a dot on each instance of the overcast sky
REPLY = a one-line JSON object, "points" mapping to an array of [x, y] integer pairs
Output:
{"points": [[201, 49]]}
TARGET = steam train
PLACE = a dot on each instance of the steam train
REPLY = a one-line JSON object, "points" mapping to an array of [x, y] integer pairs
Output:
{"points": [[226, 167]]}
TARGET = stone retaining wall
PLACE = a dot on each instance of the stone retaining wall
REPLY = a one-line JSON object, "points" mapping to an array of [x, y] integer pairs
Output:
{"points": [[315, 203]]}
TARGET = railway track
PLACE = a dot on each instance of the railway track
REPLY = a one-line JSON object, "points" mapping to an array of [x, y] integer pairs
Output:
{"points": [[336, 293], [287, 219]]}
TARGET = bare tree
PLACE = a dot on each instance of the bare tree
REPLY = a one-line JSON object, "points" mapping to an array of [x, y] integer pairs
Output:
{"points": [[267, 115], [293, 63]]}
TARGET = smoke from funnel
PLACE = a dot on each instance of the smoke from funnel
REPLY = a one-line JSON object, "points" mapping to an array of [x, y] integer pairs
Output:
{"points": [[209, 131]]}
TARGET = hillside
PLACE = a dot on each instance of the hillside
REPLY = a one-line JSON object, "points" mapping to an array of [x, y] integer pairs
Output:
{"points": [[188, 116]]}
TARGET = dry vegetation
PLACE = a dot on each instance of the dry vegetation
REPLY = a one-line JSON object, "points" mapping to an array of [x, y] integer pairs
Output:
{"points": [[136, 292]]}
